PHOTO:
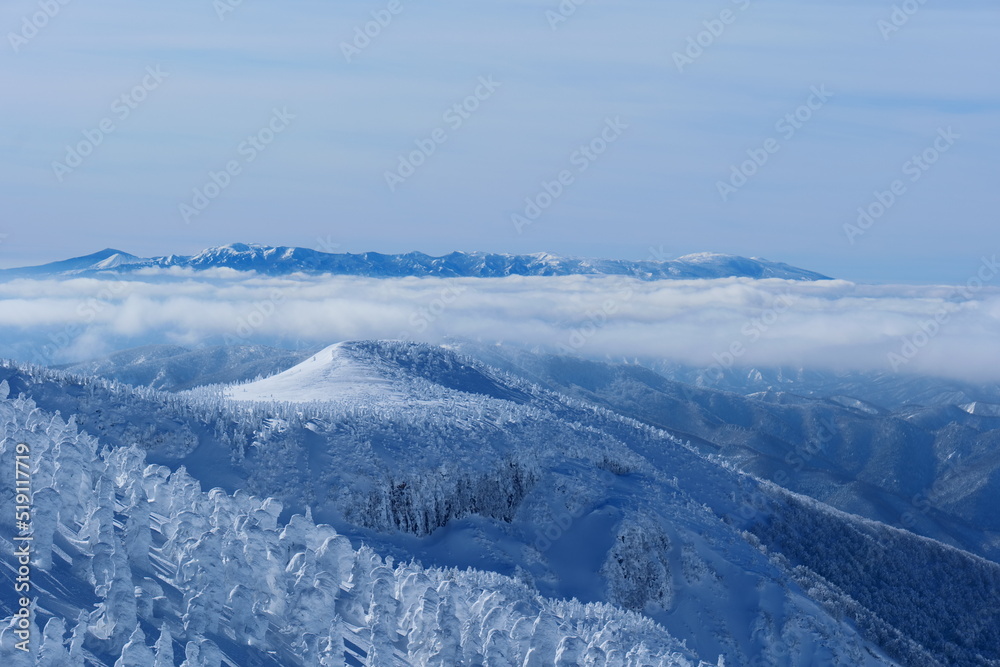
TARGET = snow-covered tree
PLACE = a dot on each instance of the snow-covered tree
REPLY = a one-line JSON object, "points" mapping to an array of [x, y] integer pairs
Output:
{"points": [[135, 653], [164, 649], [332, 646], [53, 652], [44, 523]]}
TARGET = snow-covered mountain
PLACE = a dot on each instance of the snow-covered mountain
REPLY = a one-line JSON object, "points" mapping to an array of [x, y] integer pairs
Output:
{"points": [[283, 260], [136, 566], [932, 469], [424, 453], [368, 371], [855, 455]]}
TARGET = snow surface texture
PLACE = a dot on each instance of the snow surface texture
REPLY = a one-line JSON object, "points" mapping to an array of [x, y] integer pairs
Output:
{"points": [[459, 464], [284, 260]]}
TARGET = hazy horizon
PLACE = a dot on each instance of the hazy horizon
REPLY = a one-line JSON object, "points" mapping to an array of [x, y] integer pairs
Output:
{"points": [[747, 127]]}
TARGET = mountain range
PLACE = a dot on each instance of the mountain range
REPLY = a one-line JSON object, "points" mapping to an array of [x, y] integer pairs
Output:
{"points": [[870, 456], [282, 260], [523, 479]]}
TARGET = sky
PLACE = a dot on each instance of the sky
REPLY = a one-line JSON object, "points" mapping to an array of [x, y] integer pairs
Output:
{"points": [[631, 129]]}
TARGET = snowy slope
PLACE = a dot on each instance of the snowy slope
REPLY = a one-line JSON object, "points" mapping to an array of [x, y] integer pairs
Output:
{"points": [[125, 553], [851, 454], [451, 487], [843, 451], [582, 505], [283, 260], [332, 374], [355, 372], [486, 470]]}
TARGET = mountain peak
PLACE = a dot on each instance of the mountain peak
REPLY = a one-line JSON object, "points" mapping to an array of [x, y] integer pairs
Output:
{"points": [[95, 257], [107, 252], [391, 371], [109, 258]]}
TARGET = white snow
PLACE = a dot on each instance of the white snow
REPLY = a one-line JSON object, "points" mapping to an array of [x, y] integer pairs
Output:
{"points": [[333, 374], [982, 409]]}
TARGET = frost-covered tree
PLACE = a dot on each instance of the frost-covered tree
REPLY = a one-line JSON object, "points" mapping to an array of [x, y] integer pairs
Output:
{"points": [[44, 523], [421, 622], [117, 616], [192, 655], [102, 567], [197, 616], [202, 573], [52, 652], [594, 657], [447, 635], [135, 653], [637, 567], [336, 556], [353, 606], [101, 522], [164, 649], [202, 653], [138, 538], [382, 619], [248, 620], [497, 651], [545, 637], [76, 657], [570, 652], [10, 653], [332, 647]]}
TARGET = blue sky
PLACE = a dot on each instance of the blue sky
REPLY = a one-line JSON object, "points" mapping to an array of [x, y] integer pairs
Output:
{"points": [[930, 86]]}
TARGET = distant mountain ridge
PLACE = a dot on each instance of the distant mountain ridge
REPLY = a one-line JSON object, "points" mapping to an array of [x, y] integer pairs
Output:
{"points": [[282, 260]]}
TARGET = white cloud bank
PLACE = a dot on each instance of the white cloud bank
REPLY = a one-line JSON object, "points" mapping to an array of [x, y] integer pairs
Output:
{"points": [[939, 330]]}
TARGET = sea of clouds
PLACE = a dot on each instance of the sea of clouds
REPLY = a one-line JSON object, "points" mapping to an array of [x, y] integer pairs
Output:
{"points": [[948, 331]]}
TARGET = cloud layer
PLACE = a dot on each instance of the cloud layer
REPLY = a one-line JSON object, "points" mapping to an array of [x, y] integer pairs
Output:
{"points": [[950, 331]]}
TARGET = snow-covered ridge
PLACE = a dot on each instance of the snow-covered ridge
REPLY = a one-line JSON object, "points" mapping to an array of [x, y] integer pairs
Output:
{"points": [[571, 498], [383, 371], [480, 481], [125, 553], [283, 260]]}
